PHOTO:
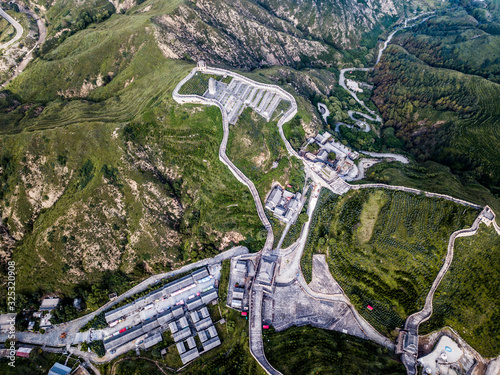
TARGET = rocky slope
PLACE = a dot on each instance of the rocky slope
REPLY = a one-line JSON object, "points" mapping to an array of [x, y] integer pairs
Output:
{"points": [[250, 34]]}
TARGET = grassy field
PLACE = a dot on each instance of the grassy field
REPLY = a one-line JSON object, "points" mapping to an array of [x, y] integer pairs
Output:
{"points": [[384, 248], [467, 298], [308, 350], [232, 357]]}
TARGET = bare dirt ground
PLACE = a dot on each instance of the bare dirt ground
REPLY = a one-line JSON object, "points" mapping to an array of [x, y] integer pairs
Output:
{"points": [[322, 279]]}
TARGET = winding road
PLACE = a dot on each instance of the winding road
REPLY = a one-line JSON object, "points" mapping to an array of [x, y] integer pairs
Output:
{"points": [[379, 56], [257, 290], [413, 321], [17, 26]]}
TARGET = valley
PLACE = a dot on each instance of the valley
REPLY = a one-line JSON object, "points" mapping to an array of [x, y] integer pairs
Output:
{"points": [[116, 175]]}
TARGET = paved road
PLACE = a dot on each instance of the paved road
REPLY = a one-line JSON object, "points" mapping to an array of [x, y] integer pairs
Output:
{"points": [[379, 56], [400, 158], [52, 337], [42, 34], [17, 26]]}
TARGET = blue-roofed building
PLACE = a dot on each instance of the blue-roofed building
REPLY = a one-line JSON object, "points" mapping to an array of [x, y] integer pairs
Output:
{"points": [[59, 369]]}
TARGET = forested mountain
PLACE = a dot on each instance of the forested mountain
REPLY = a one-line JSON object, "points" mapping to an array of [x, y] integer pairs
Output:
{"points": [[448, 115]]}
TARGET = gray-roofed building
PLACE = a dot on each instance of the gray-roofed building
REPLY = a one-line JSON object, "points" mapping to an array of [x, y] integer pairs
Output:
{"points": [[156, 296], [241, 266], [59, 369], [212, 332], [181, 283], [203, 324], [152, 340], [181, 335], [181, 348], [49, 304], [190, 342], [238, 293], [194, 303], [274, 198], [164, 304], [210, 344], [279, 211], [123, 338], [164, 318], [266, 273], [147, 314], [204, 312], [203, 336], [150, 325], [173, 327], [194, 316], [209, 296], [189, 356], [200, 274], [112, 315], [177, 311], [183, 322], [236, 303]]}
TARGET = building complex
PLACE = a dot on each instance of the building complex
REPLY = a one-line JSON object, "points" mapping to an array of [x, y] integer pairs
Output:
{"points": [[179, 307]]}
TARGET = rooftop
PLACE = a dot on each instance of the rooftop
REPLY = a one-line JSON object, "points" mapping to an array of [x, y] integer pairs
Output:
{"points": [[59, 369]]}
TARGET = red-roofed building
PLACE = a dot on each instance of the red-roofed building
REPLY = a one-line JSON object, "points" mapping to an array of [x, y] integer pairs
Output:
{"points": [[24, 352]]}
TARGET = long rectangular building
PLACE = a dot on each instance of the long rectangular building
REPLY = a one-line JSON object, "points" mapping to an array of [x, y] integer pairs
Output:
{"points": [[158, 295], [189, 356], [123, 338], [210, 344]]}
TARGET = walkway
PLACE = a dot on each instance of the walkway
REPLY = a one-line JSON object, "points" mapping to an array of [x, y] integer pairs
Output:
{"points": [[413, 321], [257, 291]]}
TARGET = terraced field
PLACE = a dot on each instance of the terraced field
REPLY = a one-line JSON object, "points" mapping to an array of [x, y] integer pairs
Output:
{"points": [[384, 249], [308, 350]]}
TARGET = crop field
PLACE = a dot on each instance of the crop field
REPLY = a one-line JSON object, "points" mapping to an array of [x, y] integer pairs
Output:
{"points": [[384, 248], [308, 350], [467, 298]]}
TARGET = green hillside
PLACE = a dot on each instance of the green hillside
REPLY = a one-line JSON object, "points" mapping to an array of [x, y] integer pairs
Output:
{"points": [[441, 115], [308, 350], [453, 39], [467, 298], [384, 248], [92, 179]]}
